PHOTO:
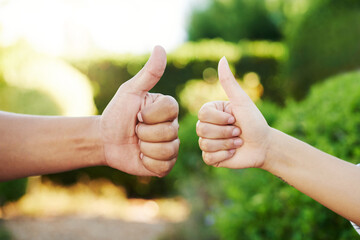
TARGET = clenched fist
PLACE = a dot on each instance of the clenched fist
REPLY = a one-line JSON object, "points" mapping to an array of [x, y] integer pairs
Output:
{"points": [[139, 129], [232, 134]]}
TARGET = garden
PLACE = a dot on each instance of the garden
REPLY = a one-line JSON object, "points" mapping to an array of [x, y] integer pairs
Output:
{"points": [[299, 61]]}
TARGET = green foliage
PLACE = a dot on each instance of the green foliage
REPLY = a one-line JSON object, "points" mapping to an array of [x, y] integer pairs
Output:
{"points": [[270, 111], [12, 190], [329, 118], [189, 152], [4, 233], [20, 100], [257, 205], [233, 20], [323, 43]]}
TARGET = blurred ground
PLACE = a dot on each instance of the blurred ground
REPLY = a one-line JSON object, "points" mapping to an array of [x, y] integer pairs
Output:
{"points": [[77, 228], [90, 209]]}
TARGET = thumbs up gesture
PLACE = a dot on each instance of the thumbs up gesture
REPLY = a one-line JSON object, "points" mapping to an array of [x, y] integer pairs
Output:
{"points": [[139, 129], [232, 134]]}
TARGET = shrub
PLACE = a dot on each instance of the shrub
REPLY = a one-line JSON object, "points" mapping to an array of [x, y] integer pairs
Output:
{"points": [[233, 20], [329, 118], [322, 44], [4, 233]]}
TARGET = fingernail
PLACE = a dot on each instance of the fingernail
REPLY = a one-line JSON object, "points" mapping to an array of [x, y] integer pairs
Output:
{"points": [[231, 120], [140, 117], [136, 129], [141, 155], [236, 132], [238, 142], [232, 151], [226, 61]]}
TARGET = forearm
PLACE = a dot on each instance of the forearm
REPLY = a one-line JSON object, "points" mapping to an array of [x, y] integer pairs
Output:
{"points": [[33, 145], [327, 179]]}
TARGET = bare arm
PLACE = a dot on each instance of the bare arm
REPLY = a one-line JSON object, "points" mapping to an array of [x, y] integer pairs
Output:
{"points": [[137, 133], [32, 145], [327, 179]]}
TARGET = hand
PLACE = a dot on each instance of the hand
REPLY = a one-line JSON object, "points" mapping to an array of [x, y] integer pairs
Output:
{"points": [[232, 134], [139, 129]]}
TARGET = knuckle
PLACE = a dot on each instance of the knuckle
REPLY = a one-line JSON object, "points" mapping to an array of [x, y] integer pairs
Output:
{"points": [[127, 86], [204, 145], [172, 101], [207, 157], [162, 174], [174, 110], [157, 167], [171, 105], [228, 144], [177, 144], [166, 167], [217, 165], [171, 131], [154, 72], [166, 152], [139, 130], [228, 132], [169, 151], [164, 132], [202, 113], [200, 129]]}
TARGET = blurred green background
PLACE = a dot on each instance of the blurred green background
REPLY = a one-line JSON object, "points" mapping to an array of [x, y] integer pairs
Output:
{"points": [[299, 60]]}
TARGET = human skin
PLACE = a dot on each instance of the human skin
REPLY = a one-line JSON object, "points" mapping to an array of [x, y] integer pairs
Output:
{"points": [[234, 134], [137, 133]]}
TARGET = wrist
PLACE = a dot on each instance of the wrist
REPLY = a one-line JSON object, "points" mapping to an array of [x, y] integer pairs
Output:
{"points": [[87, 141], [98, 153], [272, 145]]}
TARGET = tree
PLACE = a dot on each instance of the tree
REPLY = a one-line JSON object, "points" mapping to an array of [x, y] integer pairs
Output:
{"points": [[233, 20]]}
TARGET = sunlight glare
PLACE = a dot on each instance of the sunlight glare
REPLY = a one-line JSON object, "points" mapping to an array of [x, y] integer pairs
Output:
{"points": [[63, 27]]}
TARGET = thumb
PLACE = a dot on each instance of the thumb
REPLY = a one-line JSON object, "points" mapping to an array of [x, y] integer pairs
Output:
{"points": [[232, 89], [151, 73]]}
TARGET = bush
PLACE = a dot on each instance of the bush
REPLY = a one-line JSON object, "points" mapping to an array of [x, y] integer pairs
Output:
{"points": [[27, 101], [233, 20], [4, 233], [270, 111], [257, 205], [12, 190], [329, 118], [322, 44]]}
